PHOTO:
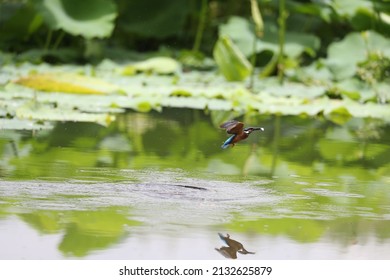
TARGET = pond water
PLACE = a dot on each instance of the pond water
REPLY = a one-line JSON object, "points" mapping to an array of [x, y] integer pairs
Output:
{"points": [[159, 186]]}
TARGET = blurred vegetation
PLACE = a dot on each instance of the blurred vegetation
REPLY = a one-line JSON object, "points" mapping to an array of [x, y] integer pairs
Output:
{"points": [[180, 24], [288, 57]]}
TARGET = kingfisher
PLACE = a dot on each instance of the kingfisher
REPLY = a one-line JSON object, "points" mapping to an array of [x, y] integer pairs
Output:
{"points": [[233, 247], [239, 132]]}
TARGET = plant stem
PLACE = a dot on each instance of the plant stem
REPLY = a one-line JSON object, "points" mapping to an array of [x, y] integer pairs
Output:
{"points": [[58, 40], [48, 39], [253, 62], [282, 33], [201, 25]]}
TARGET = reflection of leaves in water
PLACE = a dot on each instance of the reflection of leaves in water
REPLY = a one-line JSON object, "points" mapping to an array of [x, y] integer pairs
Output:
{"points": [[84, 231], [45, 221], [78, 243], [167, 134], [91, 230], [302, 230]]}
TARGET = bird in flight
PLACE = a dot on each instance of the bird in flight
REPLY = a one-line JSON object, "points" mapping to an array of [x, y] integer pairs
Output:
{"points": [[239, 132]]}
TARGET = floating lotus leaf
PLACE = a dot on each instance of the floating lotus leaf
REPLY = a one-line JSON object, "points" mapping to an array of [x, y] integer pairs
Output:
{"points": [[181, 92], [296, 90], [339, 114], [66, 82], [356, 89], [17, 124], [185, 102], [206, 90], [159, 65], [32, 111]]}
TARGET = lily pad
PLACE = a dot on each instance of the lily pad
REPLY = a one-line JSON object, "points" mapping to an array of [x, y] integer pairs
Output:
{"points": [[66, 82], [297, 90], [356, 89], [32, 111], [159, 65], [339, 115], [18, 124], [44, 97]]}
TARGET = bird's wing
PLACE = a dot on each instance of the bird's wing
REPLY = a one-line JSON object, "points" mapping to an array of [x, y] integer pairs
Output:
{"points": [[228, 123], [233, 127]]}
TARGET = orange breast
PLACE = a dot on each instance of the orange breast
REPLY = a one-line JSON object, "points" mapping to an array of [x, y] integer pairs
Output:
{"points": [[240, 137]]}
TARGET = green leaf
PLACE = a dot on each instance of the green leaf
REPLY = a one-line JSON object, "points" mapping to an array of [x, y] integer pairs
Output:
{"points": [[88, 18], [356, 89], [296, 90], [181, 92], [159, 65], [67, 82], [344, 56], [363, 19], [337, 114], [17, 124], [376, 43], [230, 60], [185, 102], [240, 31], [349, 7], [31, 111]]}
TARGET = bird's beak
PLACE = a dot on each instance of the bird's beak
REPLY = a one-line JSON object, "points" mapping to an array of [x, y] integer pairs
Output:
{"points": [[258, 128]]}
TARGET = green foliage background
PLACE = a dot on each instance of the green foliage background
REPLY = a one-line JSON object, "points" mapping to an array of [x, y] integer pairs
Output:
{"points": [[322, 57], [147, 25]]}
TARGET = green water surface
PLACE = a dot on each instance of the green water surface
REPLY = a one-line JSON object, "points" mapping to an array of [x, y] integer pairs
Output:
{"points": [[159, 186]]}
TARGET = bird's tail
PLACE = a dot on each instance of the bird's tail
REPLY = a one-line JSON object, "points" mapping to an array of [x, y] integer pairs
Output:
{"points": [[227, 143], [221, 236]]}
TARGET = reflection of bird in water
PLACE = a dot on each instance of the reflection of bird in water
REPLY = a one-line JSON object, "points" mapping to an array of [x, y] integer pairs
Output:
{"points": [[233, 247], [239, 133], [227, 252]]}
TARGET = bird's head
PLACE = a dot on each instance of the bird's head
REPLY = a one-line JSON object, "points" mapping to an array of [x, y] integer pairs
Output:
{"points": [[249, 130]]}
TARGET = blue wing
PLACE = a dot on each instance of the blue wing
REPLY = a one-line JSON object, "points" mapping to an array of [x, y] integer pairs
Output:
{"points": [[228, 142]]}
